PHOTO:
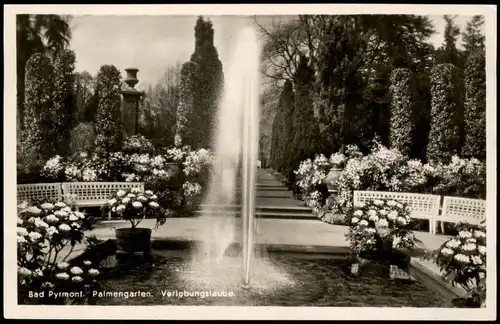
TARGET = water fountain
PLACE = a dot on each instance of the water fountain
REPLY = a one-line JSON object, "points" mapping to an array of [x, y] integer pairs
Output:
{"points": [[235, 156]]}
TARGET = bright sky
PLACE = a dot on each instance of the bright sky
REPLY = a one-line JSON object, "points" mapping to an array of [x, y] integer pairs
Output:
{"points": [[151, 43]]}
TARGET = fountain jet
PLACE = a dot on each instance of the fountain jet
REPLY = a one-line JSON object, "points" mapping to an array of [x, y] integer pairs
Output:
{"points": [[235, 149]]}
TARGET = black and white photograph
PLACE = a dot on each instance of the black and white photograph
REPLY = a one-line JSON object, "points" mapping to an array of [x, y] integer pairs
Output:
{"points": [[290, 161]]}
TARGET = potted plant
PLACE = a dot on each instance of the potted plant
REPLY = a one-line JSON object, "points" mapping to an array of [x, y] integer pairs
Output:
{"points": [[134, 205], [378, 227]]}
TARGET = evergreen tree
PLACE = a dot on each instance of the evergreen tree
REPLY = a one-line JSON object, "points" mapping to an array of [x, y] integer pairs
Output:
{"points": [[473, 37], [208, 82], [109, 126], [448, 52], [274, 141], [64, 99], [304, 126], [84, 90], [282, 128], [287, 134], [475, 106]]}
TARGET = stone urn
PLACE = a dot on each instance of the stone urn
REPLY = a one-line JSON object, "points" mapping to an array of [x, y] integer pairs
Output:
{"points": [[332, 177], [131, 79]]}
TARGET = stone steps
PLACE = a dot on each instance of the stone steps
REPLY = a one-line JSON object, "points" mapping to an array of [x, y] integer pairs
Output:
{"points": [[273, 200]]}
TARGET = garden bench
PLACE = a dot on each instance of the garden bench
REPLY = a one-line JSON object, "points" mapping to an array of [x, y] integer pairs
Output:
{"points": [[94, 194], [39, 191], [466, 210], [421, 206]]}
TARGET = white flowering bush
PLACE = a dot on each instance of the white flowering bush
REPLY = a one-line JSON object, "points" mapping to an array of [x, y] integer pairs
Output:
{"points": [[176, 154], [137, 144], [461, 177], [312, 173], [172, 187], [462, 259], [46, 235], [196, 168], [386, 169], [54, 169], [375, 171], [191, 189], [377, 221], [312, 179], [134, 205]]}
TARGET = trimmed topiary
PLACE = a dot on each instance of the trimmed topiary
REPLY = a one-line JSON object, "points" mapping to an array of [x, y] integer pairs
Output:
{"points": [[475, 107], [64, 99], [108, 119], [444, 135], [38, 137], [186, 104], [401, 89]]}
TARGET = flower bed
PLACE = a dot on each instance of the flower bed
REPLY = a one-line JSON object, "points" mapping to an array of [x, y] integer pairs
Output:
{"points": [[46, 235], [177, 174], [386, 170]]}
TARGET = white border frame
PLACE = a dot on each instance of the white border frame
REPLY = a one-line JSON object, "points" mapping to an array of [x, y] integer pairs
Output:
{"points": [[12, 310]]}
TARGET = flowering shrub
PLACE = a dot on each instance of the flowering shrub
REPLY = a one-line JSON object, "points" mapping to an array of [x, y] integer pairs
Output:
{"points": [[463, 259], [196, 168], [137, 144], [312, 175], [83, 167], [167, 197], [462, 177], [45, 233], [387, 170], [176, 154], [114, 165], [134, 205], [375, 171], [54, 169], [155, 170], [379, 220], [191, 189]]}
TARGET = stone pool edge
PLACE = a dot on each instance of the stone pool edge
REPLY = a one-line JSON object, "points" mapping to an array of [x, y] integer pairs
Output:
{"points": [[423, 270]]}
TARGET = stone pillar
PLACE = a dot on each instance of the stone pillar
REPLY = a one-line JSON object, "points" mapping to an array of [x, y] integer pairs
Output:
{"points": [[130, 103]]}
